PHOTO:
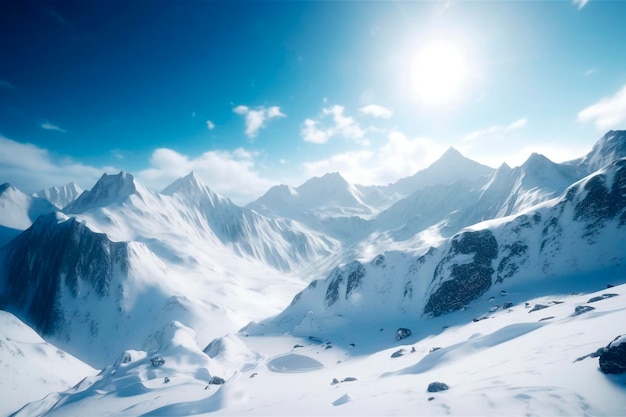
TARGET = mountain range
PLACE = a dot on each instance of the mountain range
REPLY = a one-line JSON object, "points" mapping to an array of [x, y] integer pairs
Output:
{"points": [[119, 275]]}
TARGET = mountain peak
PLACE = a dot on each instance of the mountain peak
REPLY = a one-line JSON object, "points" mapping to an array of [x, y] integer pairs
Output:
{"points": [[610, 147], [60, 196], [191, 187], [108, 190], [6, 186]]}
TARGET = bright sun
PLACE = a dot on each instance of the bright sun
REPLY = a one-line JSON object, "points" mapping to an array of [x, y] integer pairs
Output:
{"points": [[438, 72]]}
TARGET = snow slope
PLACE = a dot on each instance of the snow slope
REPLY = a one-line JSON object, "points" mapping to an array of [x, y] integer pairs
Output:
{"points": [[18, 211], [517, 362], [33, 366]]}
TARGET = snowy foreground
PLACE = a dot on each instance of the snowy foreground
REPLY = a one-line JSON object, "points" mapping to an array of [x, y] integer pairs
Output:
{"points": [[514, 361]]}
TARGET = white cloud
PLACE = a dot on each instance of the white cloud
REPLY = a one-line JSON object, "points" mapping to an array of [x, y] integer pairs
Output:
{"points": [[210, 125], [580, 3], [50, 126], [398, 157], [496, 130], [311, 133], [231, 174], [376, 111], [255, 119], [31, 168], [341, 125], [607, 113]]}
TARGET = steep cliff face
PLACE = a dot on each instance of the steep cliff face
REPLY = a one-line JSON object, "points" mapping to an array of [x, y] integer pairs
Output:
{"points": [[57, 253]]}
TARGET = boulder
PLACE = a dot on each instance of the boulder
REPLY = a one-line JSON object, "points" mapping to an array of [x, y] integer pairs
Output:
{"points": [[216, 380], [582, 309], [437, 386], [613, 359], [402, 333], [538, 307], [398, 353]]}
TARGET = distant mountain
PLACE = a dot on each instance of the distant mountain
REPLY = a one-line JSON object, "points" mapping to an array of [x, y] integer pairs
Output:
{"points": [[18, 211], [109, 189], [60, 196], [574, 237], [450, 168], [610, 147], [321, 197]]}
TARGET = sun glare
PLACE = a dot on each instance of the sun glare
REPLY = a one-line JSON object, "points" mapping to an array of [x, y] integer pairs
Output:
{"points": [[438, 72]]}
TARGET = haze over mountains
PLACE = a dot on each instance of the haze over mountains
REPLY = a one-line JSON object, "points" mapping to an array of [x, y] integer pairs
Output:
{"points": [[121, 268]]}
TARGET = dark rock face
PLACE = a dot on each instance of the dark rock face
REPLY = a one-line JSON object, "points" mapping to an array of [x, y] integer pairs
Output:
{"points": [[402, 333], [355, 272], [49, 255], [398, 353], [437, 386], [469, 280], [613, 359], [510, 263]]}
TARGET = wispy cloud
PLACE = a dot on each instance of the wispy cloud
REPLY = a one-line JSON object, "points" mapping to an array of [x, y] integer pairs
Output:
{"points": [[50, 126], [7, 85], [318, 131], [607, 113], [31, 168], [230, 173], [398, 157], [376, 111], [256, 118], [589, 72], [580, 3], [496, 130], [210, 125]]}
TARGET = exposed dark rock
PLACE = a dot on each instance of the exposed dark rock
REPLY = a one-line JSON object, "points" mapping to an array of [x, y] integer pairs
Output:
{"points": [[402, 333], [379, 260], [351, 345], [434, 349], [477, 319], [166, 380], [297, 346], [431, 398], [357, 272], [335, 381], [555, 302], [253, 375], [52, 254], [507, 304], [398, 353], [437, 386], [467, 281], [538, 307], [601, 297], [216, 380], [412, 349], [332, 292], [613, 359], [157, 361], [546, 318], [348, 379], [582, 309]]}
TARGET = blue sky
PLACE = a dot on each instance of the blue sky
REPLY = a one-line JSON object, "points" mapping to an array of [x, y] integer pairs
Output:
{"points": [[253, 94]]}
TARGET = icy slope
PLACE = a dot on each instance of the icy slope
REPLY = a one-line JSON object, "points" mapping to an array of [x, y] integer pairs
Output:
{"points": [[517, 362], [577, 234], [18, 211], [31, 367], [60, 196]]}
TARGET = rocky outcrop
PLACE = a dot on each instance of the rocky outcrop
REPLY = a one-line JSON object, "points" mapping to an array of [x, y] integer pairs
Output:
{"points": [[613, 359], [463, 282]]}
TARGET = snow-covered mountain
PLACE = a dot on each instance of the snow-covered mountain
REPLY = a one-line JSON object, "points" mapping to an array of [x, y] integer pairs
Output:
{"points": [[18, 211], [575, 236], [60, 196], [450, 168], [464, 256]]}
